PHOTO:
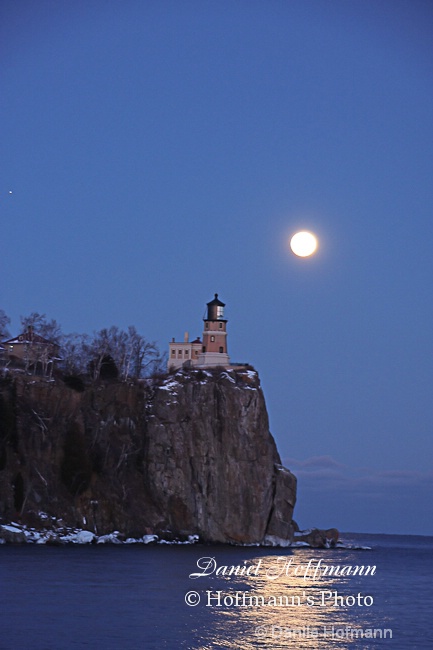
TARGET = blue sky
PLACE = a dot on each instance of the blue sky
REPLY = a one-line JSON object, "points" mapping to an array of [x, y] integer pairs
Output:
{"points": [[159, 152]]}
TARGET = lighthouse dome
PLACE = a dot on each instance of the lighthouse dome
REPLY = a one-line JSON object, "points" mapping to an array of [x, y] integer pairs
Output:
{"points": [[215, 309]]}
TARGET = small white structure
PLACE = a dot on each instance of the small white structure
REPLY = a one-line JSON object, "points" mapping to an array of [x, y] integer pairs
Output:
{"points": [[212, 351], [184, 354]]}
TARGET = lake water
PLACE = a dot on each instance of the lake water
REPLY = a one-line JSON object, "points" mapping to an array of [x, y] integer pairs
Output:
{"points": [[132, 597]]}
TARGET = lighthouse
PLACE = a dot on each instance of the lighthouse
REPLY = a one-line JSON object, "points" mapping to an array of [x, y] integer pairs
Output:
{"points": [[214, 347], [212, 351]]}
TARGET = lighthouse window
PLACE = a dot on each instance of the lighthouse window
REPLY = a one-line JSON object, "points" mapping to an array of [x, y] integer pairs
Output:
{"points": [[173, 353], [212, 338], [220, 312], [207, 325], [221, 349], [220, 326]]}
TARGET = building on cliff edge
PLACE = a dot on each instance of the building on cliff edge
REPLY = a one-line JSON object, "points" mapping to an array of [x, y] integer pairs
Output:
{"points": [[210, 352], [31, 352]]}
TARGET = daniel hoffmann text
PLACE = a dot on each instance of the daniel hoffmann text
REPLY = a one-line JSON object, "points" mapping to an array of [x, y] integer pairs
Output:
{"points": [[312, 571]]}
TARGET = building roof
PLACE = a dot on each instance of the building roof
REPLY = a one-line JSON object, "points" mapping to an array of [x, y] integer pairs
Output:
{"points": [[216, 302], [197, 340], [28, 337]]}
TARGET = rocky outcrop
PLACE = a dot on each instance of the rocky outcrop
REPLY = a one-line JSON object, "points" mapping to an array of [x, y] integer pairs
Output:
{"points": [[317, 538], [189, 454]]}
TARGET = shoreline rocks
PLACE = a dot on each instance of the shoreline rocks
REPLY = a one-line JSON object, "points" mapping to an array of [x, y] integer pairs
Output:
{"points": [[18, 534], [317, 538]]}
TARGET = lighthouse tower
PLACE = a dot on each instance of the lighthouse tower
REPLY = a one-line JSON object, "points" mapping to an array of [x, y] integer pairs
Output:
{"points": [[214, 350]]}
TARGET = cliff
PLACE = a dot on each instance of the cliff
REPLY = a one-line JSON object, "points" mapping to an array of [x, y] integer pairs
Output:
{"points": [[189, 454]]}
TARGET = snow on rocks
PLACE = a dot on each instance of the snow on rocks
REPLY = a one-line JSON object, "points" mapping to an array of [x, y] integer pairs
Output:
{"points": [[12, 535], [111, 538], [229, 376], [84, 537], [15, 533], [192, 539], [273, 540], [58, 536], [170, 386]]}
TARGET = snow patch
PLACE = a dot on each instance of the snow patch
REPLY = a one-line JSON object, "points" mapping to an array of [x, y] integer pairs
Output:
{"points": [[12, 529], [170, 386], [84, 537], [273, 540], [111, 538]]}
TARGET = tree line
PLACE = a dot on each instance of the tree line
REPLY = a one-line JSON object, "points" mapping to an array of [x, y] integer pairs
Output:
{"points": [[110, 352]]}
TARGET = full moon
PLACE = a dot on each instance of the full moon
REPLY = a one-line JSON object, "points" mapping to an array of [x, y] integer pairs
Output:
{"points": [[303, 244]]}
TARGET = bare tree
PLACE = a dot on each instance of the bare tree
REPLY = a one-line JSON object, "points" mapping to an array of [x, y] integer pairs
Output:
{"points": [[141, 354], [74, 353], [4, 322], [133, 355], [118, 352], [96, 350], [49, 330], [158, 365]]}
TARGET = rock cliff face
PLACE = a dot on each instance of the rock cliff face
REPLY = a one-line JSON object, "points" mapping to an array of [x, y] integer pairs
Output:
{"points": [[190, 454]]}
